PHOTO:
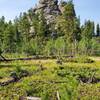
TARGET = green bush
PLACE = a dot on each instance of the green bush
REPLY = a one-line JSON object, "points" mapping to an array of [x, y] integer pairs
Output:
{"points": [[81, 59]]}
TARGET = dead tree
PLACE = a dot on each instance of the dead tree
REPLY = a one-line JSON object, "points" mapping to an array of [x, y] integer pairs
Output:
{"points": [[1, 56]]}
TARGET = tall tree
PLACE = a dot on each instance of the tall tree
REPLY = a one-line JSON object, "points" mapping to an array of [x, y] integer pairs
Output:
{"points": [[98, 30], [42, 28], [88, 30], [87, 34], [68, 25], [9, 39]]}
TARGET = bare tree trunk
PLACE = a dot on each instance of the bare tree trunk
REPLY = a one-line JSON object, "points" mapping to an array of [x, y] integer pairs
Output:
{"points": [[58, 96]]}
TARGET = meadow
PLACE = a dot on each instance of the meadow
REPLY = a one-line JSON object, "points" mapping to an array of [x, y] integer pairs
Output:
{"points": [[73, 80]]}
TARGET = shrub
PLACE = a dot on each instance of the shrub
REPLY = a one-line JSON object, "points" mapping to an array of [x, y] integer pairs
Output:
{"points": [[81, 59]]}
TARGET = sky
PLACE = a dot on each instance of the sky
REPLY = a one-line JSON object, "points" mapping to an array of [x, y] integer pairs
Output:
{"points": [[86, 9]]}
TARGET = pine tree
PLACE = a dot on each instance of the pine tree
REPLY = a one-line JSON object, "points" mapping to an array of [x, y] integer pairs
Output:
{"points": [[68, 25], [42, 28], [87, 35], [88, 30], [98, 30], [9, 39], [3, 26]]}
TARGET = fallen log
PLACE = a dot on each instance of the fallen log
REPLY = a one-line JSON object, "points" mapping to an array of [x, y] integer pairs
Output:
{"points": [[92, 80], [13, 78], [2, 58], [27, 58], [31, 58], [29, 98], [7, 82]]}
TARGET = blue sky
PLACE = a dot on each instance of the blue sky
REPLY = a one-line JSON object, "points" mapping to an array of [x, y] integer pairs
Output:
{"points": [[87, 9]]}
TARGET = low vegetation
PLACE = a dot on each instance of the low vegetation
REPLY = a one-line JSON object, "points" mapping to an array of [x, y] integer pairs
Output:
{"points": [[46, 52], [46, 78]]}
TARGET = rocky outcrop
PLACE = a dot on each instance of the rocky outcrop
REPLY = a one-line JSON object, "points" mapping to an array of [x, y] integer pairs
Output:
{"points": [[50, 9]]}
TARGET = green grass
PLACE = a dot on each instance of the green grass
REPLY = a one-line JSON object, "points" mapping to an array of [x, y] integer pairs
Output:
{"points": [[53, 77]]}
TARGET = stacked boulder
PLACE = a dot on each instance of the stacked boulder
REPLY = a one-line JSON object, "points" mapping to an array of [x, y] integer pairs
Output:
{"points": [[50, 9]]}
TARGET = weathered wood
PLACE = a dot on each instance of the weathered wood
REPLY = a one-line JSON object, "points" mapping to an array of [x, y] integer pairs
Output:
{"points": [[33, 98], [31, 58], [91, 80], [2, 57], [58, 96], [11, 80], [28, 58], [29, 98]]}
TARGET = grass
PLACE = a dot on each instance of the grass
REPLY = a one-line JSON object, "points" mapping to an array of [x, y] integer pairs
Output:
{"points": [[53, 77]]}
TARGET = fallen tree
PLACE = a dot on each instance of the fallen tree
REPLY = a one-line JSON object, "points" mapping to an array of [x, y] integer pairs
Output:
{"points": [[31, 58]]}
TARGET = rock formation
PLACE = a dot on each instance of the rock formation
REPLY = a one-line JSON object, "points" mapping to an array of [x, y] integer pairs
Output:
{"points": [[50, 9]]}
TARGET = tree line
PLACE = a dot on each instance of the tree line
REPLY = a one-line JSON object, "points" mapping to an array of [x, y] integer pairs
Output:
{"points": [[30, 34]]}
